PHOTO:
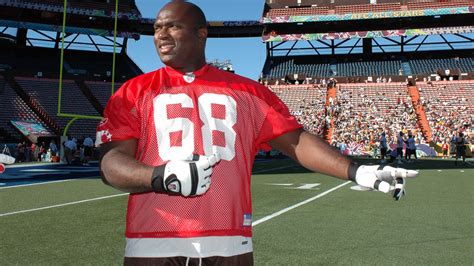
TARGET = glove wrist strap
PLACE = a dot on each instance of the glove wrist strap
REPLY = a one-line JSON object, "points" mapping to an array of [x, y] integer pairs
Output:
{"points": [[352, 171], [157, 179]]}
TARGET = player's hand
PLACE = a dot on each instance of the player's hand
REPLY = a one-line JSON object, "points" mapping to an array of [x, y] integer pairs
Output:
{"points": [[384, 178], [186, 178]]}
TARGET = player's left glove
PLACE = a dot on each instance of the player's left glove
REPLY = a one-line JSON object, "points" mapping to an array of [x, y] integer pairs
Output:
{"points": [[381, 178]]}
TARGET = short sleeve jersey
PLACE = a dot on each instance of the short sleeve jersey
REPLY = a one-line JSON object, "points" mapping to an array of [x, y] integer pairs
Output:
{"points": [[206, 112]]}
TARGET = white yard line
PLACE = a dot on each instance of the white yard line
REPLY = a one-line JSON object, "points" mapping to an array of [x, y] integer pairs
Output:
{"points": [[61, 205], [264, 219], [39, 183], [273, 215]]}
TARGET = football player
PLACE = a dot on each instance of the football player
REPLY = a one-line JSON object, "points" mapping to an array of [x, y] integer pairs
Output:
{"points": [[182, 140]]}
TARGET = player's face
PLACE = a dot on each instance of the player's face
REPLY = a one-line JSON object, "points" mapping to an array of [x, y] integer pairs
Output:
{"points": [[178, 41]]}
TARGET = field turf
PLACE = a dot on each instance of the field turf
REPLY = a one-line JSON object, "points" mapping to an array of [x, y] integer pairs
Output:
{"points": [[81, 221]]}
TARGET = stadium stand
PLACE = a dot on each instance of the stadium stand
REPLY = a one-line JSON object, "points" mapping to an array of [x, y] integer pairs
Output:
{"points": [[281, 66], [307, 103], [18, 110], [365, 68], [449, 107], [102, 90], [37, 77], [432, 65], [363, 110], [423, 64]]}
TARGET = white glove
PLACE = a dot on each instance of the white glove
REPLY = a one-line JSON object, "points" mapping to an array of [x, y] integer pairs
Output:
{"points": [[187, 178], [383, 178]]}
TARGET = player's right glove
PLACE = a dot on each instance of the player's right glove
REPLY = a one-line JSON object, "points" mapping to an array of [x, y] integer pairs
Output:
{"points": [[381, 178], [186, 178]]}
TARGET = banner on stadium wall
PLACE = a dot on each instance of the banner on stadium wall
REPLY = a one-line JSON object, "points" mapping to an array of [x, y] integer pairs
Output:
{"points": [[360, 149], [31, 130], [273, 37], [369, 15], [59, 7], [56, 28]]}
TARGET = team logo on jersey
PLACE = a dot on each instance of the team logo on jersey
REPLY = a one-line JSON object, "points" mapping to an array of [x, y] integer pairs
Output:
{"points": [[102, 136], [103, 122], [189, 77]]}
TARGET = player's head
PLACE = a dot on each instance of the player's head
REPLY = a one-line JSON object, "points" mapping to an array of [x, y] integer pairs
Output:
{"points": [[180, 36]]}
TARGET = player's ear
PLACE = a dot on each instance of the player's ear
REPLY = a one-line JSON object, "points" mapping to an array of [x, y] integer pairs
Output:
{"points": [[202, 33]]}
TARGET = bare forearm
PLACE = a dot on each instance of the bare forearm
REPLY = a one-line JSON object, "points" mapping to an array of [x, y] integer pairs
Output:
{"points": [[313, 153], [123, 172], [316, 155]]}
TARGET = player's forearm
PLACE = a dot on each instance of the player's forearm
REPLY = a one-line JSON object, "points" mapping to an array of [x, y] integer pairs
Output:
{"points": [[124, 172], [315, 154]]}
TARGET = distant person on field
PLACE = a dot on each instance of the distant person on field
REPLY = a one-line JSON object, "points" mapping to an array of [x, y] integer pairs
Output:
{"points": [[445, 149], [88, 149], [53, 148], [460, 148], [383, 148], [411, 147], [400, 142], [70, 147]]}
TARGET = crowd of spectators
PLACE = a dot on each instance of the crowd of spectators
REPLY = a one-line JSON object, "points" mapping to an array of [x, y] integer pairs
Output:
{"points": [[76, 152], [363, 113], [27, 151], [307, 104], [448, 110]]}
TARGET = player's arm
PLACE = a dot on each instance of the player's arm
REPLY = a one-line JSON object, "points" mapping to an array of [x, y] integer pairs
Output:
{"points": [[313, 153], [120, 169]]}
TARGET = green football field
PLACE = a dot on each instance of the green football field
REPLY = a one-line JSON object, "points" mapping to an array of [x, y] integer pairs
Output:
{"points": [[300, 218]]}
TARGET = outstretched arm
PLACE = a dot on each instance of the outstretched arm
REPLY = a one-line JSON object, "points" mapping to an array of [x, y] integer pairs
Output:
{"points": [[313, 153]]}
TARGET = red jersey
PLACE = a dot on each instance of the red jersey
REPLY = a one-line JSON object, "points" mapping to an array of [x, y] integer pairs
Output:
{"points": [[206, 112]]}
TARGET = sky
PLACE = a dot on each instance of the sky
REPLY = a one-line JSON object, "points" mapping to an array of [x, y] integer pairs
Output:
{"points": [[247, 55]]}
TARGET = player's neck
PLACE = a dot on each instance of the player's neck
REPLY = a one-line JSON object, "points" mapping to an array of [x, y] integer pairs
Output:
{"points": [[191, 67]]}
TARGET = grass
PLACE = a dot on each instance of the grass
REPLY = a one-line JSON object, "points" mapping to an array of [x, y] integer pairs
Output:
{"points": [[431, 226]]}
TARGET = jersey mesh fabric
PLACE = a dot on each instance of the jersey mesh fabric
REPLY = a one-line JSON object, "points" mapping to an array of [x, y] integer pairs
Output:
{"points": [[218, 112]]}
